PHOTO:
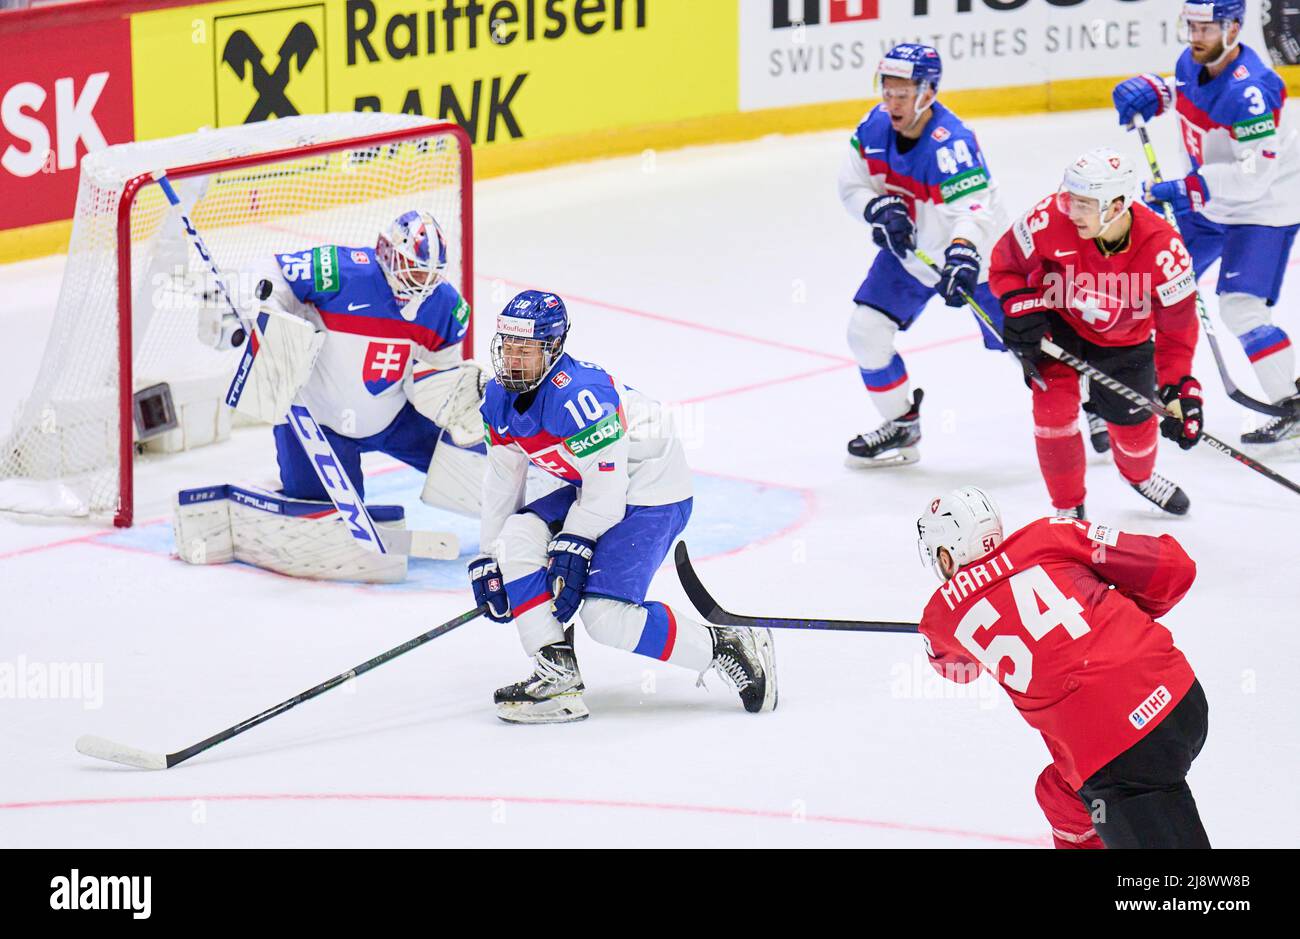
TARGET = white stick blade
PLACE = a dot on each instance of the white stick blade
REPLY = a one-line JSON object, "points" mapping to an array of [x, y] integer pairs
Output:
{"points": [[435, 545], [102, 749]]}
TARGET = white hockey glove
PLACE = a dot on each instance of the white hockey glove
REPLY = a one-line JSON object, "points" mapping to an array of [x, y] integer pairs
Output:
{"points": [[451, 398]]}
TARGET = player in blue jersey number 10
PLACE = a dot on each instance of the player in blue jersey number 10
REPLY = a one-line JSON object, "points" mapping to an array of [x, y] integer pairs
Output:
{"points": [[621, 496]]}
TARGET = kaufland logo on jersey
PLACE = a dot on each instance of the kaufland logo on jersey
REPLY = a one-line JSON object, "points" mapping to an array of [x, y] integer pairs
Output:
{"points": [[790, 13]]}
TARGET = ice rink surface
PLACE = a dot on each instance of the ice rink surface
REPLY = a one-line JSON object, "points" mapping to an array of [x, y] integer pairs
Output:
{"points": [[718, 279]]}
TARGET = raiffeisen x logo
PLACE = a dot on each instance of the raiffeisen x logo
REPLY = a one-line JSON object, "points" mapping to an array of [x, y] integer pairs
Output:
{"points": [[243, 56], [788, 13], [269, 63]]}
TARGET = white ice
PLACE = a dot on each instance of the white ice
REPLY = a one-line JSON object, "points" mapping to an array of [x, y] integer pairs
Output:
{"points": [[718, 278]]}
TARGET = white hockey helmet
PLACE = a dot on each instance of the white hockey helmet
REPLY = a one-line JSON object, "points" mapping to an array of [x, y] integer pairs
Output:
{"points": [[1103, 175], [412, 254], [966, 522]]}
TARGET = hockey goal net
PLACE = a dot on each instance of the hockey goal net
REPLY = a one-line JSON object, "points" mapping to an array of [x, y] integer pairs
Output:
{"points": [[128, 307]]}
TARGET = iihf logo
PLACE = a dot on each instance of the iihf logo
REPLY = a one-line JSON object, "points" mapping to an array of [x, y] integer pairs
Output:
{"points": [[789, 13]]}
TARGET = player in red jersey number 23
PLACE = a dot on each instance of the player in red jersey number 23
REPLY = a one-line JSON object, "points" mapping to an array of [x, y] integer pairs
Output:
{"points": [[1112, 283], [1088, 667]]}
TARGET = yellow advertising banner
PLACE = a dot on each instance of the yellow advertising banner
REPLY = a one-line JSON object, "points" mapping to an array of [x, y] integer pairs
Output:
{"points": [[504, 69]]}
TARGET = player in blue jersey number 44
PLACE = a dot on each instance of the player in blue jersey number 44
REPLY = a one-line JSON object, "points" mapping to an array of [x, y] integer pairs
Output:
{"points": [[590, 546], [915, 174], [1239, 202]]}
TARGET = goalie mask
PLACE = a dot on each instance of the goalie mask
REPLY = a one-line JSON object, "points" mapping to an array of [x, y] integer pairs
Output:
{"points": [[529, 340], [966, 522], [412, 254]]}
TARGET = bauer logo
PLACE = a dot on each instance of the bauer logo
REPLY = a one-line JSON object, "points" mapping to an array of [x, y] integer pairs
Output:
{"points": [[1156, 702], [269, 64], [788, 13]]}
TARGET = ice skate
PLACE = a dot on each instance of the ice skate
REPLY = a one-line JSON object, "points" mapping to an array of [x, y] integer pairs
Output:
{"points": [[1279, 429], [551, 695], [746, 659], [1164, 494], [893, 443]]}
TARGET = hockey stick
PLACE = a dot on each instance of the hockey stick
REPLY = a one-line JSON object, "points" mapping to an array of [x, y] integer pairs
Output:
{"points": [[1124, 391], [709, 609], [1207, 325], [1028, 367], [320, 454], [102, 749]]}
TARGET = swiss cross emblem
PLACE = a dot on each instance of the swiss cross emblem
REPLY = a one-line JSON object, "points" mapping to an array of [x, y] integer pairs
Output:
{"points": [[560, 379], [360, 257], [385, 365]]}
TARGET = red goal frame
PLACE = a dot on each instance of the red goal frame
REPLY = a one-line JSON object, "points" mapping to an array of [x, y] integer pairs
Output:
{"points": [[126, 424]]}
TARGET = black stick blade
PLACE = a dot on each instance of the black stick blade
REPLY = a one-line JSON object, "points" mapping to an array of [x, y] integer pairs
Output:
{"points": [[711, 611]]}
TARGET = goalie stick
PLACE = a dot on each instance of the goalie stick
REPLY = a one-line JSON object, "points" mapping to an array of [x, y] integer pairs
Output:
{"points": [[320, 454], [102, 749], [709, 609], [1083, 368], [1235, 393]]}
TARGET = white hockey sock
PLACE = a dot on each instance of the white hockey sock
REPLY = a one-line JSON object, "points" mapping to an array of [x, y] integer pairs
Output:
{"points": [[1268, 347], [651, 629], [521, 553], [871, 337]]}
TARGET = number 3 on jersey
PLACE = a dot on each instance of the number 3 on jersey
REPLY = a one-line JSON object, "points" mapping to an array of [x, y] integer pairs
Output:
{"points": [[1032, 590]]}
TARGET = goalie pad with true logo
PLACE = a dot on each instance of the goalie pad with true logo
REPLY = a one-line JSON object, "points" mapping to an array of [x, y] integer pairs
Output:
{"points": [[295, 537]]}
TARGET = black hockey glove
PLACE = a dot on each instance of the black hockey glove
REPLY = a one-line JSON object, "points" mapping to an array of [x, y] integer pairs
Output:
{"points": [[1183, 400], [1026, 324], [961, 271], [490, 588], [891, 226]]}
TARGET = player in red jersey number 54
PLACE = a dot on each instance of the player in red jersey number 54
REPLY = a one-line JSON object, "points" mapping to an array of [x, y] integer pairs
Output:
{"points": [[1088, 667]]}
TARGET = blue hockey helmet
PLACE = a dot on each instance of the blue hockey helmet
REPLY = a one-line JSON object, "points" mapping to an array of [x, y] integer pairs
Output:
{"points": [[915, 62], [1219, 12], [412, 253], [1214, 11], [529, 339]]}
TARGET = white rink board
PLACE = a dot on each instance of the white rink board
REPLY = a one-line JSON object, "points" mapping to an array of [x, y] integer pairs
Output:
{"points": [[720, 278], [982, 47]]}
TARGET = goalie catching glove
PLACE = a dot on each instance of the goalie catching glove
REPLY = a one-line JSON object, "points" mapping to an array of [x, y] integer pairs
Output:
{"points": [[450, 395]]}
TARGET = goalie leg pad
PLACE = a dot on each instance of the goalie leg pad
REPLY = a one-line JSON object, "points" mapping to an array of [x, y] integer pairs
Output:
{"points": [[454, 480], [294, 537]]}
